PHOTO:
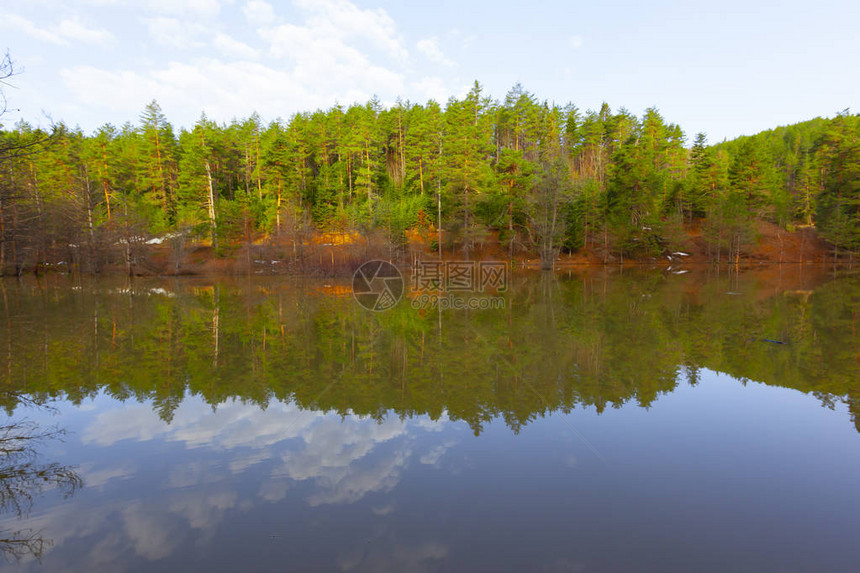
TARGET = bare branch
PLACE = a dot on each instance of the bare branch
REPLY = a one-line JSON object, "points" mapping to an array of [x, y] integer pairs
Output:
{"points": [[7, 70]]}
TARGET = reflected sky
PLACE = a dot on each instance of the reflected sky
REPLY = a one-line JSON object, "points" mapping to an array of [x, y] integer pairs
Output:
{"points": [[230, 476], [717, 477]]}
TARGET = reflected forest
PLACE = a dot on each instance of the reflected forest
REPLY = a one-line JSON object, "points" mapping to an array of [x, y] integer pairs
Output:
{"points": [[592, 341]]}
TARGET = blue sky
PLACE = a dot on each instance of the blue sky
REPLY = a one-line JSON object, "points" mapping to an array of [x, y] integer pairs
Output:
{"points": [[725, 68]]}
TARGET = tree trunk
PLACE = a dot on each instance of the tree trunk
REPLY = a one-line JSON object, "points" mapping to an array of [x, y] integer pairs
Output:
{"points": [[466, 238], [128, 266], [439, 219], [105, 178], [213, 225], [2, 240], [278, 210], [91, 231], [369, 178]]}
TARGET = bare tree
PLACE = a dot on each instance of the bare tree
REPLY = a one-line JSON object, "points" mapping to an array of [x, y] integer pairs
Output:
{"points": [[11, 148], [7, 70], [23, 478], [20, 229], [551, 194]]}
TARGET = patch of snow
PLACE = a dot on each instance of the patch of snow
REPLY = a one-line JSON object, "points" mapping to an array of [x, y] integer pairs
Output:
{"points": [[123, 240]]}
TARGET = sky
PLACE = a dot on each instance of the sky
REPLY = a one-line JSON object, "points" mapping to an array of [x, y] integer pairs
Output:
{"points": [[724, 68]]}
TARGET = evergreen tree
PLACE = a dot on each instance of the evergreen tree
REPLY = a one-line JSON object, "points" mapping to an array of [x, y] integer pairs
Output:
{"points": [[839, 203], [157, 166]]}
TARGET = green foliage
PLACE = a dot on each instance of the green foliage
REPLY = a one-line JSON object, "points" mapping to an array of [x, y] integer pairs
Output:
{"points": [[401, 213], [471, 165], [838, 152]]}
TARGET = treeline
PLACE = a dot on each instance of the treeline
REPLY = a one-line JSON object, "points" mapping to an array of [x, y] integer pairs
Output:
{"points": [[542, 177]]}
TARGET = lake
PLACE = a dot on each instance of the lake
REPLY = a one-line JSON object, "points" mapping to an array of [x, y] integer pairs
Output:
{"points": [[593, 421]]}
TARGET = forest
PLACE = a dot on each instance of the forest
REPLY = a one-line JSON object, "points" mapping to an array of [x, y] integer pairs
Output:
{"points": [[536, 177]]}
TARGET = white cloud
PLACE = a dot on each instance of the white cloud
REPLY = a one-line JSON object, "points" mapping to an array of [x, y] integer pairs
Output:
{"points": [[203, 509], [191, 88], [434, 456], [259, 13], [324, 64], [13, 22], [335, 52], [465, 40], [195, 7], [59, 34], [98, 478], [576, 42], [338, 44], [331, 51], [241, 462], [430, 48], [173, 33], [341, 459], [150, 531], [274, 490], [436, 88], [384, 510], [345, 22], [136, 423], [234, 48], [431, 425], [74, 30], [353, 485], [190, 474], [194, 424]]}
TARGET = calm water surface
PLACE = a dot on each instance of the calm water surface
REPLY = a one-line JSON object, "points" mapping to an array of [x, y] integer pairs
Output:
{"points": [[635, 422]]}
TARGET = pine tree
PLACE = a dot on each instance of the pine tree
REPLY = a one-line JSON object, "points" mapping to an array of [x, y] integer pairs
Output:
{"points": [[198, 198], [157, 165], [838, 155], [469, 147]]}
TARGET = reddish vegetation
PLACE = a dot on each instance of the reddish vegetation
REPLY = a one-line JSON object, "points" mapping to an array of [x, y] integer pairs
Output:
{"points": [[773, 245], [339, 254]]}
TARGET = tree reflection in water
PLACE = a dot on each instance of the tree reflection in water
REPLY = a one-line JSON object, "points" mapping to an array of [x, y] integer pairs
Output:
{"points": [[596, 340], [23, 478]]}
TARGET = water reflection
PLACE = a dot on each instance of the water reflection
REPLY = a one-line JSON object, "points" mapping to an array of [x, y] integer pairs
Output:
{"points": [[295, 445], [597, 423], [192, 483], [587, 341], [24, 477]]}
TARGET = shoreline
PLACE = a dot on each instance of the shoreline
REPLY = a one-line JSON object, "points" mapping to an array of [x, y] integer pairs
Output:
{"points": [[324, 257]]}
